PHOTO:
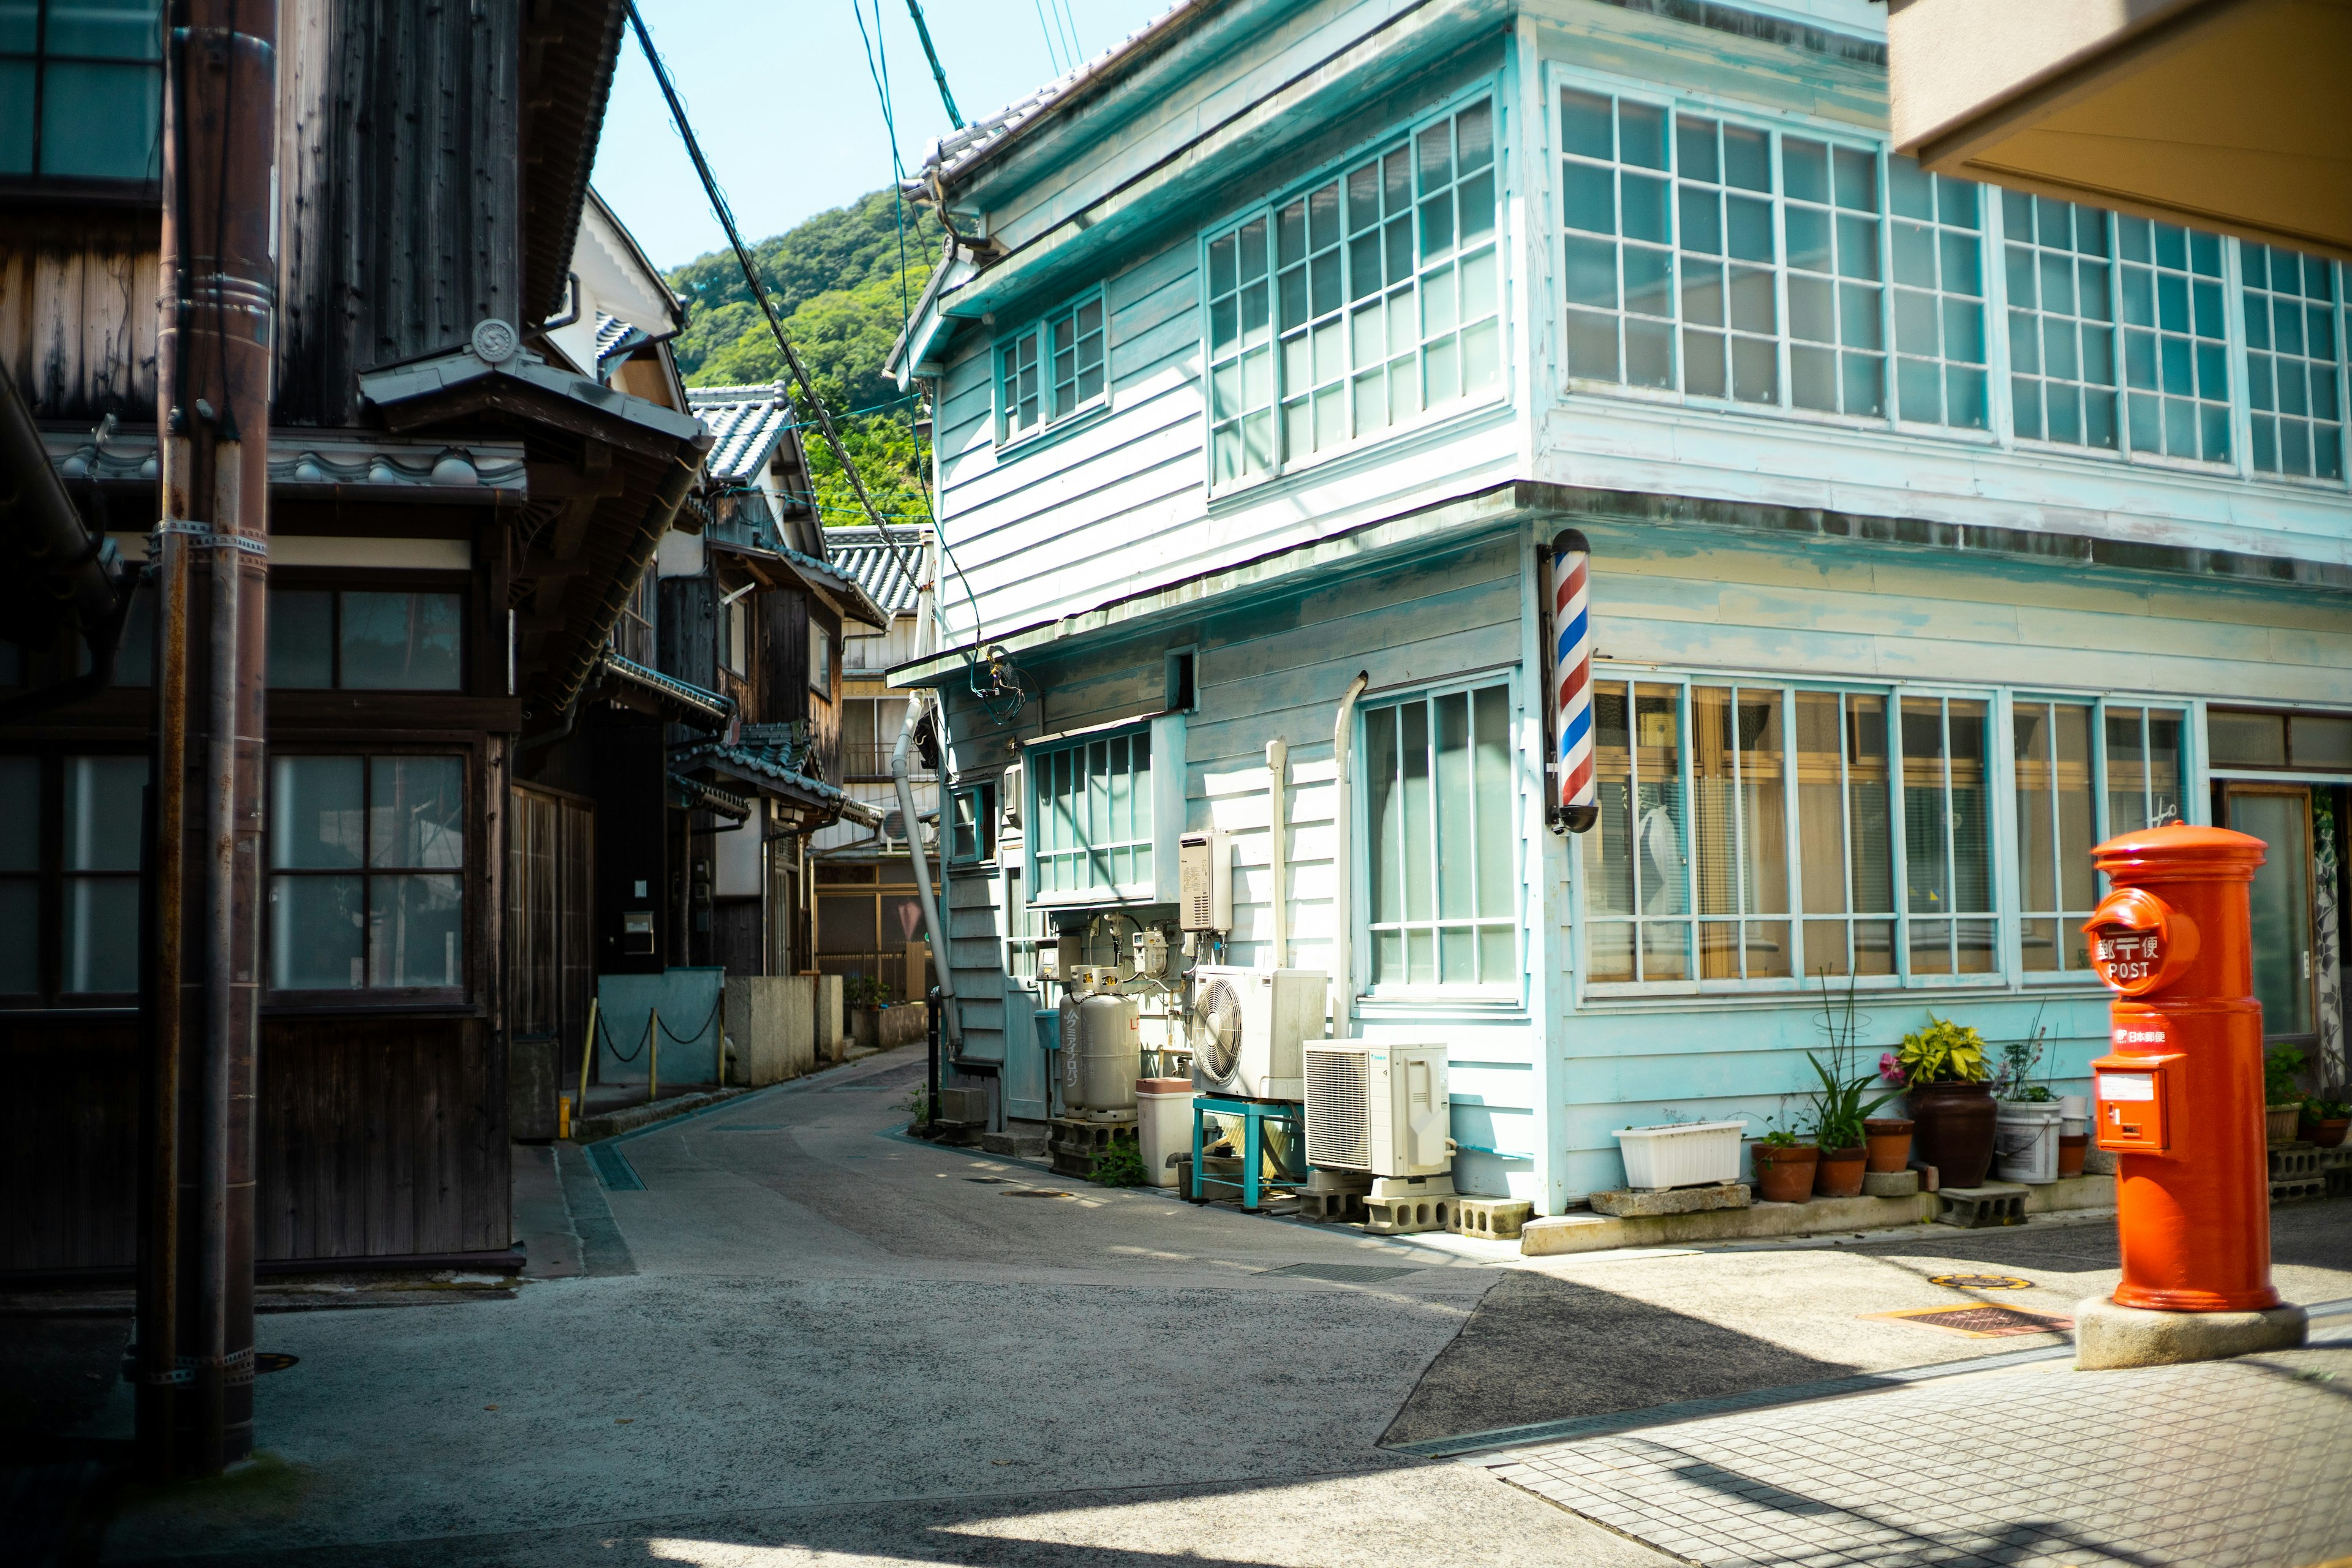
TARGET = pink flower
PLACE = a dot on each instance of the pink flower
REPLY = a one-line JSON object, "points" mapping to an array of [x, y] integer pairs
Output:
{"points": [[1891, 1069]]}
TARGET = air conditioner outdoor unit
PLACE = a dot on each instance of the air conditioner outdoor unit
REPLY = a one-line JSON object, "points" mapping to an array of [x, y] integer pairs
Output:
{"points": [[1247, 1026], [1378, 1108]]}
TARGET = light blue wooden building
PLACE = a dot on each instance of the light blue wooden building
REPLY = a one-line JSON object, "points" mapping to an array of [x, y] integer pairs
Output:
{"points": [[1936, 534]]}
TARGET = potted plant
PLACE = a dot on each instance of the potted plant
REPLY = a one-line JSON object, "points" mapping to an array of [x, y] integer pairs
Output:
{"points": [[2326, 1118], [1886, 1140], [1942, 1073], [2282, 1096], [2027, 1120], [1784, 1166], [1839, 1114], [865, 996], [1680, 1153]]}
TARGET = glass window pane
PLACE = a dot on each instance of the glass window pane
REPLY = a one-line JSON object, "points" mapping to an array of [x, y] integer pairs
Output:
{"points": [[2127, 773], [1490, 722], [415, 932], [1385, 817], [20, 814], [20, 935], [102, 812], [1763, 814], [1715, 842], [416, 812], [314, 932], [315, 813], [1413, 741], [1971, 806], [102, 122], [1609, 860], [1661, 859], [301, 639], [1925, 819], [401, 642], [101, 933], [1455, 819]]}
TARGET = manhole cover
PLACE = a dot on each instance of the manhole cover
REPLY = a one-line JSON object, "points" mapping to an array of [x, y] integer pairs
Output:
{"points": [[272, 1361], [1979, 1323], [1982, 1281], [1341, 1273], [1035, 1192]]}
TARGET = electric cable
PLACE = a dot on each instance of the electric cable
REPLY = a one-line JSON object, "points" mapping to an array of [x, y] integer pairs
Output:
{"points": [[923, 32], [759, 290]]}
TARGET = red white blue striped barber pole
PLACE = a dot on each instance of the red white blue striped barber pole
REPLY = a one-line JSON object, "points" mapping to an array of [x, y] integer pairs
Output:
{"points": [[1576, 800]]}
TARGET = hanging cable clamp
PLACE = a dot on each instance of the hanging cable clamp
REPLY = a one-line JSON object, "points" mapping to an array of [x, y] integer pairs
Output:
{"points": [[202, 535]]}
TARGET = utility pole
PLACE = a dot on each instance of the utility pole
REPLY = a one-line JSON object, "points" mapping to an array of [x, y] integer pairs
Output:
{"points": [[213, 389]]}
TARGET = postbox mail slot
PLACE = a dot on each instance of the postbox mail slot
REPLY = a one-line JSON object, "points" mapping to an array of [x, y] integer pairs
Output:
{"points": [[2131, 1101]]}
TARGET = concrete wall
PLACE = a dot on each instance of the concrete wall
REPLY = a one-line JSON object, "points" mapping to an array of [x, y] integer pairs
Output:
{"points": [[688, 999], [781, 1025]]}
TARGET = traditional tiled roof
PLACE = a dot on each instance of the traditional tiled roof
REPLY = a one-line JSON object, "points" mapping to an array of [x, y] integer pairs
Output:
{"points": [[615, 337], [772, 770], [692, 700], [882, 572], [959, 150], [745, 423]]}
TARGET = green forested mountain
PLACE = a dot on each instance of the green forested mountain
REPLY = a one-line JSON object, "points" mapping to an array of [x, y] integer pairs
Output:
{"points": [[838, 282]]}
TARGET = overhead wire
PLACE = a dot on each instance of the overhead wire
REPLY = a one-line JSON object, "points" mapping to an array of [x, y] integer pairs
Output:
{"points": [[759, 290]]}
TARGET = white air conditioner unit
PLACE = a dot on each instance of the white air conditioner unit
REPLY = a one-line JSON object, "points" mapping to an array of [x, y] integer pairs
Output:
{"points": [[1247, 1026], [1379, 1109]]}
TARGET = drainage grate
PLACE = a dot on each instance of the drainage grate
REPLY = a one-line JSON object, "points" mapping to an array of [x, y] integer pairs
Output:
{"points": [[1035, 1192], [613, 1171], [1979, 1323], [1980, 1281], [1341, 1273], [992, 1181]]}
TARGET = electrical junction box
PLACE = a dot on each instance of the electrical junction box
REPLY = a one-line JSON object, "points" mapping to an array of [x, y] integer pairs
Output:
{"points": [[638, 930], [1204, 881], [2131, 1103], [1379, 1108], [1151, 953]]}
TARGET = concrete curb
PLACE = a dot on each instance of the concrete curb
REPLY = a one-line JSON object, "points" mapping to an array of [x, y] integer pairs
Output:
{"points": [[612, 1123], [1562, 1235]]}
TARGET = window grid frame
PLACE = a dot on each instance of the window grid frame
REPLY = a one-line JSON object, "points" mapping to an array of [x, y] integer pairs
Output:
{"points": [[1035, 337], [2339, 314], [1367, 928], [2001, 426], [1402, 140], [1040, 845], [52, 880], [367, 994], [1903, 978], [39, 58]]}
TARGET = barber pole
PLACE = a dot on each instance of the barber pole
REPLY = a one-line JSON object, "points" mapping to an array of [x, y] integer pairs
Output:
{"points": [[1575, 803]]}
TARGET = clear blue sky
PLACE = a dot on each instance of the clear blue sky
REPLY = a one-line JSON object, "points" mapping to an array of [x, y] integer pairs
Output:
{"points": [[780, 99]]}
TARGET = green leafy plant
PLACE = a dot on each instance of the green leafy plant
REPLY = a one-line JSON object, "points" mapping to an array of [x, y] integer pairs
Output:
{"points": [[1778, 1138], [1839, 1109], [2018, 1058], [1943, 1052], [1120, 1165], [917, 1105], [2280, 1065], [865, 991], [2326, 1107]]}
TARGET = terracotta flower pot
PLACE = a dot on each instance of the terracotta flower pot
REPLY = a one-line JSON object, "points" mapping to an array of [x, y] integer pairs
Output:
{"points": [[2072, 1148], [1954, 1129], [1888, 1138], [2329, 1134], [1786, 1172], [1839, 1174], [2282, 1121]]}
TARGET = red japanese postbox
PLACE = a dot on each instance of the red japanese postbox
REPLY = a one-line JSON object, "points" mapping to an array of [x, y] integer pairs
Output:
{"points": [[2180, 1097]]}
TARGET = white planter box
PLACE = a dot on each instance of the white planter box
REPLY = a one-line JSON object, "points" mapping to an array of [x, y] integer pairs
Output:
{"points": [[1688, 1155]]}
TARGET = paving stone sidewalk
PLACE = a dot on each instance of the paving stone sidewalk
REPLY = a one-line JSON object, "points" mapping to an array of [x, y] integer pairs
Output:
{"points": [[2237, 1464]]}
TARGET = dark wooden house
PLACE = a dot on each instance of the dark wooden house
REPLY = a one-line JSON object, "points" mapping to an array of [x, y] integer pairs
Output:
{"points": [[459, 519]]}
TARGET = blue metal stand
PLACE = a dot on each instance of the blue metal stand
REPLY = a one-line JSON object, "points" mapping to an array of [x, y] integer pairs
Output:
{"points": [[1255, 1114]]}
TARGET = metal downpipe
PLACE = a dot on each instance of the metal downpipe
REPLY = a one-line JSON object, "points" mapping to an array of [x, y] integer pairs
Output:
{"points": [[1343, 885]]}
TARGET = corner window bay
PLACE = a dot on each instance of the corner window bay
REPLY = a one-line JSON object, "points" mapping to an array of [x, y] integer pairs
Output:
{"points": [[1358, 303]]}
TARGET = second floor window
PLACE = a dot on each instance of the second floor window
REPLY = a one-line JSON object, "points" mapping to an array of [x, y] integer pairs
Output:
{"points": [[1052, 370], [327, 639], [2293, 356], [1094, 827], [1358, 303], [81, 89]]}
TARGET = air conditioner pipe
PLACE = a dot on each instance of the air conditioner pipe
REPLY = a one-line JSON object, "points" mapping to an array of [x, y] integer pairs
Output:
{"points": [[1343, 880], [932, 926]]}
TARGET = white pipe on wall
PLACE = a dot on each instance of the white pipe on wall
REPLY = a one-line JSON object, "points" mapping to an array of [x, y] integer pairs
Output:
{"points": [[1278, 802], [1343, 879]]}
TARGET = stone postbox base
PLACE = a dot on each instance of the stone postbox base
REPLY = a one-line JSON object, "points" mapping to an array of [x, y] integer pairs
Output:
{"points": [[2106, 1335]]}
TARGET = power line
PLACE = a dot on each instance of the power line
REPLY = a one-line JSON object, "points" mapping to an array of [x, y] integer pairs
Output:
{"points": [[932, 54], [758, 290]]}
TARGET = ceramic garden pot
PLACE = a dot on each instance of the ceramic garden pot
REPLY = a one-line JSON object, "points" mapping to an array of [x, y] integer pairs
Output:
{"points": [[1888, 1138], [1839, 1174], [2072, 1148], [1953, 1129], [1786, 1175], [2327, 1134]]}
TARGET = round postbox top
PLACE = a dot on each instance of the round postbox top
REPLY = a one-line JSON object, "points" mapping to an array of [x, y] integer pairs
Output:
{"points": [[2179, 851]]}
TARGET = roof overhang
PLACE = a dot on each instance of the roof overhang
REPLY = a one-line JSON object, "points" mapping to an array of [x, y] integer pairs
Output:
{"points": [[764, 774], [847, 597], [2220, 114], [666, 694]]}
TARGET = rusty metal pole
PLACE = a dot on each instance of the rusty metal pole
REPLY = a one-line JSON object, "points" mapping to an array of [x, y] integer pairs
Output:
{"points": [[214, 389]]}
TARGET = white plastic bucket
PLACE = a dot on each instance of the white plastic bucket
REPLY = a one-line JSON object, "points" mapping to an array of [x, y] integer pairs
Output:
{"points": [[1686, 1155], [2025, 1142], [2074, 1114], [1163, 1125]]}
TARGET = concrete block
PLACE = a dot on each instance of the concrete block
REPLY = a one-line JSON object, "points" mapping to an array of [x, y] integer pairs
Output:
{"points": [[1341, 1207], [1409, 1216], [1974, 1208], [1890, 1184], [1491, 1219], [1631, 1205], [964, 1106], [1559, 1235], [772, 1028], [831, 1037], [2106, 1335]]}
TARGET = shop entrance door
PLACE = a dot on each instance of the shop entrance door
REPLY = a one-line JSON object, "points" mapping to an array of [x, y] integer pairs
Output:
{"points": [[2285, 962]]}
